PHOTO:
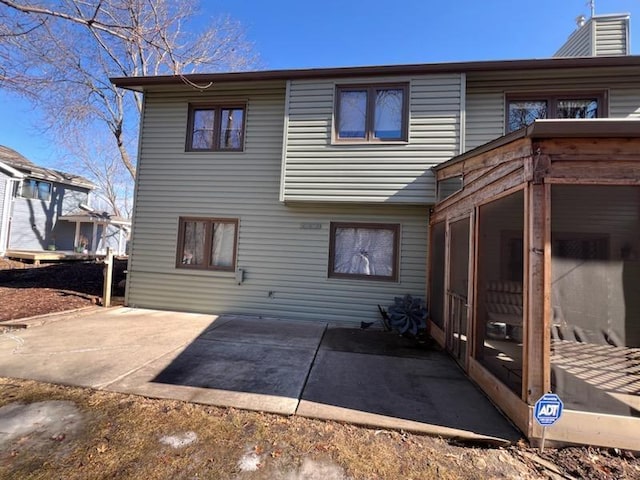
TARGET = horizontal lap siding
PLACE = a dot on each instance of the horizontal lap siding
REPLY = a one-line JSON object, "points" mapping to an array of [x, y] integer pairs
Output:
{"points": [[486, 92], [316, 170], [35, 224], [5, 205], [611, 37], [285, 264], [579, 43]]}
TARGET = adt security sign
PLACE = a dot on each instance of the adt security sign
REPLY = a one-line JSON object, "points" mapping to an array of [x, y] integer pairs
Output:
{"points": [[548, 409]]}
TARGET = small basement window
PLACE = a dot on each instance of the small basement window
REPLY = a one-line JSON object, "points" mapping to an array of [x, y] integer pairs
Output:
{"points": [[216, 128], [207, 243], [36, 189], [364, 251]]}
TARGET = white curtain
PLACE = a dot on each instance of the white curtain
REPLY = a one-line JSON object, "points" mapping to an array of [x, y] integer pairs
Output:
{"points": [[193, 247], [364, 251], [224, 239]]}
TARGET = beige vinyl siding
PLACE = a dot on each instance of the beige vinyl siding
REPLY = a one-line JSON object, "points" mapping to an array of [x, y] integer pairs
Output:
{"points": [[315, 169], [604, 35], [485, 101], [579, 43], [611, 36], [283, 249]]}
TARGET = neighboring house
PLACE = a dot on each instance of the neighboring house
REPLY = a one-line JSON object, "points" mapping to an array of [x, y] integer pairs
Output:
{"points": [[308, 194], [42, 209]]}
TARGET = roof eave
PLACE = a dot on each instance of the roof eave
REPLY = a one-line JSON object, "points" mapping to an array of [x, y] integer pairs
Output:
{"points": [[140, 83], [12, 172]]}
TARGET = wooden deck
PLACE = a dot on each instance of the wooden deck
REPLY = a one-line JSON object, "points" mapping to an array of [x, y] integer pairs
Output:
{"points": [[37, 256]]}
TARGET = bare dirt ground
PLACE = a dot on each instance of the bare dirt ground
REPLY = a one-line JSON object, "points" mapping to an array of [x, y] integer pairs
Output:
{"points": [[49, 431]]}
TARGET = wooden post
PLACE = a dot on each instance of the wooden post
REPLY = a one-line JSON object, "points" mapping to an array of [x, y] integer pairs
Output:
{"points": [[537, 324], [120, 249], [94, 238], [104, 235], [76, 238], [108, 275]]}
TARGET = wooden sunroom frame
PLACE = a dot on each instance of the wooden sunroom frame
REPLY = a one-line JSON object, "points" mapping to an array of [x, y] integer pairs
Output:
{"points": [[531, 160]]}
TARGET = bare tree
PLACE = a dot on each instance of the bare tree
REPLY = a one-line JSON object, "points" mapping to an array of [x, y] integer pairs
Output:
{"points": [[62, 53]]}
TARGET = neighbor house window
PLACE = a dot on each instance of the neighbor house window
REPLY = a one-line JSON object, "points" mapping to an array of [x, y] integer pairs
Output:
{"points": [[364, 251], [216, 128], [523, 110], [207, 243], [36, 189], [372, 113]]}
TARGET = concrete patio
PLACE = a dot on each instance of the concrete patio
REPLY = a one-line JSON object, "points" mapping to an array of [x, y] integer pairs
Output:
{"points": [[286, 367]]}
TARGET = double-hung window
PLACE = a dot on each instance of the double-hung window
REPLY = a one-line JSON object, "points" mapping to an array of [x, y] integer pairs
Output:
{"points": [[371, 113], [207, 243], [522, 110], [216, 128], [364, 251], [36, 189]]}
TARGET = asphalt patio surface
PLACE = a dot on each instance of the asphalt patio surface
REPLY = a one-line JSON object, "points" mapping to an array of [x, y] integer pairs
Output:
{"points": [[311, 369]]}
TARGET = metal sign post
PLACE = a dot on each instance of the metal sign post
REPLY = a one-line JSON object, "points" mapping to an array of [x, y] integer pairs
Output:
{"points": [[548, 410]]}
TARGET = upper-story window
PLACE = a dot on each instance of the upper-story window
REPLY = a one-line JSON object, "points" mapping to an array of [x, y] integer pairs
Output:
{"points": [[36, 189], [522, 110], [216, 128], [372, 113]]}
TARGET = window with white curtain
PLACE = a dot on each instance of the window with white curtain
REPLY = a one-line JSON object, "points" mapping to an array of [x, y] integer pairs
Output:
{"points": [[207, 243], [364, 251]]}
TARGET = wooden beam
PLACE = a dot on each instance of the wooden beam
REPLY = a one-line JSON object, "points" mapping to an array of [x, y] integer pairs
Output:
{"points": [[588, 146], [447, 272], [591, 181], [594, 170], [535, 304], [508, 183], [470, 332], [631, 158], [614, 431], [546, 307], [494, 175], [437, 333], [499, 393], [514, 150], [526, 319]]}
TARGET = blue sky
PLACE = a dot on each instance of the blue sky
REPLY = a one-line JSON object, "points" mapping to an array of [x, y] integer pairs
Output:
{"points": [[302, 34]]}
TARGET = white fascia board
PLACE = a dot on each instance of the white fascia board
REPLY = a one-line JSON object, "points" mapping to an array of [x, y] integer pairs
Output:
{"points": [[12, 172]]}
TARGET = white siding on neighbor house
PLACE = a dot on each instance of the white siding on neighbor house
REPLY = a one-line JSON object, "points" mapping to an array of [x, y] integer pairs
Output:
{"points": [[35, 225], [6, 186], [485, 102], [612, 36], [283, 249], [317, 170]]}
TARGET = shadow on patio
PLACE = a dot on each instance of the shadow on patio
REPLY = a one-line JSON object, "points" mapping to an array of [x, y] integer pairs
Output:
{"points": [[344, 374]]}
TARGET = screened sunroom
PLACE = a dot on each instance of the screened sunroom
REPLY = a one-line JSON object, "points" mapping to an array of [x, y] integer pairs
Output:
{"points": [[535, 275]]}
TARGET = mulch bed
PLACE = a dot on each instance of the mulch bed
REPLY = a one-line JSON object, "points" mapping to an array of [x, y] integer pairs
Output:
{"points": [[27, 290]]}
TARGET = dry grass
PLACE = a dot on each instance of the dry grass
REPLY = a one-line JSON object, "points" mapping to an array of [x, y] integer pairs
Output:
{"points": [[120, 438]]}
